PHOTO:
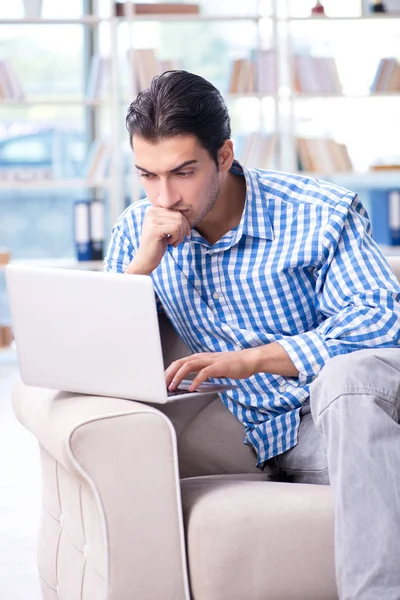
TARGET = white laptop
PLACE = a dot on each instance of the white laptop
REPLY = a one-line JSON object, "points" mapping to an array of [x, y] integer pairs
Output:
{"points": [[90, 332]]}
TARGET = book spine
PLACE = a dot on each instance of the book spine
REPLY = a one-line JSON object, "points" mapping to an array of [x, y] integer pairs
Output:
{"points": [[379, 212], [82, 230], [394, 217], [97, 229]]}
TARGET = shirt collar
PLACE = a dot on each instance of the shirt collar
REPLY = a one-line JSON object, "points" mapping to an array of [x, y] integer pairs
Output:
{"points": [[255, 220]]}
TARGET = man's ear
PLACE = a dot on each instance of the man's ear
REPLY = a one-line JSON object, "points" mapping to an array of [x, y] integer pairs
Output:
{"points": [[226, 156]]}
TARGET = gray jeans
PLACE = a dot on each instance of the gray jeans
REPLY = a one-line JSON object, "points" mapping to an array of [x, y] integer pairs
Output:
{"points": [[350, 436]]}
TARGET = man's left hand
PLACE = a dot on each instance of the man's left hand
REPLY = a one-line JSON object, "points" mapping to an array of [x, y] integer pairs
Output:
{"points": [[234, 365]]}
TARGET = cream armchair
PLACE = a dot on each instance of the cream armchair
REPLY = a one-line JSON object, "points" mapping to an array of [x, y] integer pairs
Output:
{"points": [[158, 502]]}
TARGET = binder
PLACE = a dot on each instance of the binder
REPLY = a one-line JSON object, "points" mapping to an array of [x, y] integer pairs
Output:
{"points": [[394, 217], [82, 230], [379, 212], [97, 229]]}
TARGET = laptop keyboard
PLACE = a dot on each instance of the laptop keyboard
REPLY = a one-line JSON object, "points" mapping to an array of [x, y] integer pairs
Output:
{"points": [[178, 392]]}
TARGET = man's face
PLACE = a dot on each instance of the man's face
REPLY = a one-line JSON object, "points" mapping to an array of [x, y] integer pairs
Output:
{"points": [[178, 174]]}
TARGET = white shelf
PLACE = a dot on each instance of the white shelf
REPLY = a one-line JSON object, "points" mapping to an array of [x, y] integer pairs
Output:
{"points": [[325, 19], [238, 95], [64, 263], [191, 17], [54, 184], [51, 101], [93, 21], [329, 95], [89, 20], [366, 180], [228, 96]]}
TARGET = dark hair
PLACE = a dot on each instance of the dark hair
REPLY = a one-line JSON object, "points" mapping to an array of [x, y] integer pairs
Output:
{"points": [[180, 103]]}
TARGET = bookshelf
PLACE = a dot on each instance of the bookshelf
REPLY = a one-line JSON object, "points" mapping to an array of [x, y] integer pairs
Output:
{"points": [[273, 112], [360, 114], [331, 27]]}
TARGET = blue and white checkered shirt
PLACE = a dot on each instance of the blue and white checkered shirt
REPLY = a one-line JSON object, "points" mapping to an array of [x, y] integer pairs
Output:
{"points": [[300, 269]]}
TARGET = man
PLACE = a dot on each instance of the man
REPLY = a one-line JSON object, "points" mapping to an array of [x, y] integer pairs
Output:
{"points": [[270, 277]]}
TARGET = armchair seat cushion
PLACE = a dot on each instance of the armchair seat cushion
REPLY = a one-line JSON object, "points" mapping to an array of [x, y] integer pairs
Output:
{"points": [[248, 538]]}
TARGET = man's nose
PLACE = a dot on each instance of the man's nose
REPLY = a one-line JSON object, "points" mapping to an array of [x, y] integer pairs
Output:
{"points": [[167, 198]]}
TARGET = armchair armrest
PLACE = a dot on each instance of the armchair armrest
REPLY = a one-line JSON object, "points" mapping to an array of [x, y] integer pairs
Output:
{"points": [[115, 462]]}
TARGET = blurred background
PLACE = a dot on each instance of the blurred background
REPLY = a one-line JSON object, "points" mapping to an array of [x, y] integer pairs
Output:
{"points": [[312, 87]]}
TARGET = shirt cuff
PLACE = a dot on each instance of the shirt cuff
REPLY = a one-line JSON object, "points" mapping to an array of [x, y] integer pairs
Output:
{"points": [[308, 352]]}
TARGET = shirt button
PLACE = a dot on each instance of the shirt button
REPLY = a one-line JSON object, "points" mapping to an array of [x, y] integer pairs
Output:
{"points": [[282, 387], [215, 296]]}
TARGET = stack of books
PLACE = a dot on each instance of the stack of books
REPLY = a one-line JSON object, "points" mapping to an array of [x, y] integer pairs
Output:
{"points": [[145, 65], [10, 85], [387, 76], [256, 150], [322, 155], [98, 160], [156, 8], [6, 335], [255, 75], [99, 76], [316, 75]]}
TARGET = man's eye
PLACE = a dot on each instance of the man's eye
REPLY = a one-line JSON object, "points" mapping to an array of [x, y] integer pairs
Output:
{"points": [[146, 175], [184, 173]]}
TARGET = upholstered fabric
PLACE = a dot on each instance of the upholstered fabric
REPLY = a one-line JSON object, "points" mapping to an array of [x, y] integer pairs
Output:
{"points": [[112, 524], [258, 540]]}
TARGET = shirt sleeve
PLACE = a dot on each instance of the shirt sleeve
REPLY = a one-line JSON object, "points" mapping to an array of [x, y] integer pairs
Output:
{"points": [[356, 294], [120, 250], [120, 253]]}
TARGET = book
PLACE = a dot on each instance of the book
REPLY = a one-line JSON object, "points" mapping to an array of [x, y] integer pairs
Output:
{"points": [[158, 8], [98, 160], [303, 156], [387, 76], [5, 256], [394, 217], [144, 66], [392, 6], [256, 149], [82, 230], [393, 84], [242, 76], [316, 74], [99, 76], [386, 167], [379, 213], [97, 229], [333, 74], [235, 71], [265, 71], [305, 75], [322, 155], [6, 336], [10, 85]]}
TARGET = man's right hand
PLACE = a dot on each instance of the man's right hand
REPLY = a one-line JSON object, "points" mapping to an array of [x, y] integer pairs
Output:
{"points": [[161, 227]]}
